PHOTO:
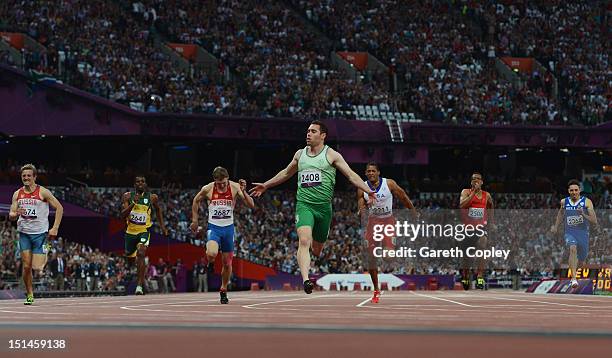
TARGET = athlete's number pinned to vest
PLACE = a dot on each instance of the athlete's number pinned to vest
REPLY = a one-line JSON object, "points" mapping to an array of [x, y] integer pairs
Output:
{"points": [[222, 213], [476, 213], [138, 218], [29, 212], [380, 210], [575, 220], [310, 178]]}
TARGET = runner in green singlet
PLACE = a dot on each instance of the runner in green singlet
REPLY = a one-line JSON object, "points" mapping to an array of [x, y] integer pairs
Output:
{"points": [[316, 166]]}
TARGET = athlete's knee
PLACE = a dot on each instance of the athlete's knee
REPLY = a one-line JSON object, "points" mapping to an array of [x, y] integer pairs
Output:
{"points": [[305, 241], [212, 250], [211, 254], [227, 260], [573, 250]]}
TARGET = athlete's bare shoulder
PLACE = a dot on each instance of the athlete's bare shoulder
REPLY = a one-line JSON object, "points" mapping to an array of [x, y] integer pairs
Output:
{"points": [[44, 192], [332, 152], [562, 204], [234, 185], [16, 194], [207, 190], [298, 153], [391, 183], [333, 156]]}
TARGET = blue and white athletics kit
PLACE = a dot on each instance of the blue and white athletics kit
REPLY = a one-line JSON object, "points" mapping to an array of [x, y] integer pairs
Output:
{"points": [[577, 227]]}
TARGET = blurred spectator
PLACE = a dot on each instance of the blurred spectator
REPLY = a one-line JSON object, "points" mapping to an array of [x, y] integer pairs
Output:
{"points": [[57, 266]]}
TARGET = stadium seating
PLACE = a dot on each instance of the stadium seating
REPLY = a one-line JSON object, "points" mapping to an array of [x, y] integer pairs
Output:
{"points": [[444, 65]]}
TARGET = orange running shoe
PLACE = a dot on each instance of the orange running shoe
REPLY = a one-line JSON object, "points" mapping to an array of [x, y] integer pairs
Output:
{"points": [[376, 296]]}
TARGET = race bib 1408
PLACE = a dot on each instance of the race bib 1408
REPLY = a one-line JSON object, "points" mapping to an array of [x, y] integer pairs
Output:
{"points": [[310, 178]]}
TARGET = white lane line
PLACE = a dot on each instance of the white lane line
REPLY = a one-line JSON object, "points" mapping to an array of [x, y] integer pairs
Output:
{"points": [[364, 302], [564, 297], [542, 302], [442, 299], [176, 303], [290, 300]]}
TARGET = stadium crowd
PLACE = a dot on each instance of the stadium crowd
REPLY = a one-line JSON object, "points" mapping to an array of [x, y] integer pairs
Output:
{"points": [[440, 49], [448, 68], [112, 54], [94, 46], [286, 68], [266, 234], [78, 267], [569, 38]]}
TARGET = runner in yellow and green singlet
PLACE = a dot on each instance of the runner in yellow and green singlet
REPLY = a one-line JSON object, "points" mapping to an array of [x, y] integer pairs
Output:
{"points": [[136, 210]]}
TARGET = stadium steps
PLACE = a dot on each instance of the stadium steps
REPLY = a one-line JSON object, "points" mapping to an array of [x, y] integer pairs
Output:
{"points": [[395, 131]]}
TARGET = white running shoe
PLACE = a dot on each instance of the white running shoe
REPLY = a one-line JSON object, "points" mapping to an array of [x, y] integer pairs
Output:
{"points": [[139, 290]]}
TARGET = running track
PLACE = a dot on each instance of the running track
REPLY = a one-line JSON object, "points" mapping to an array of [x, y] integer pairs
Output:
{"points": [[293, 325]]}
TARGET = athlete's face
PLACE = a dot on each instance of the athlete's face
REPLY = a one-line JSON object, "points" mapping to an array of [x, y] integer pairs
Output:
{"points": [[140, 184], [314, 136], [27, 177], [372, 173], [476, 181], [574, 191], [222, 184]]}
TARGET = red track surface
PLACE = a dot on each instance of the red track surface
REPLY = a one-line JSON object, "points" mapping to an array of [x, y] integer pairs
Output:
{"points": [[292, 324]]}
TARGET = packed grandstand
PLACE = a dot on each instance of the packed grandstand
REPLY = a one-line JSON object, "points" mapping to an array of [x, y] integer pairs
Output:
{"points": [[429, 62]]}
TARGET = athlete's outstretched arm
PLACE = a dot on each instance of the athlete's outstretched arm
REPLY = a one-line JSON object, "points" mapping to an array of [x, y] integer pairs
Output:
{"points": [[555, 226], [159, 213], [195, 206], [399, 192], [242, 193], [361, 202], [59, 210], [279, 178], [338, 161]]}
